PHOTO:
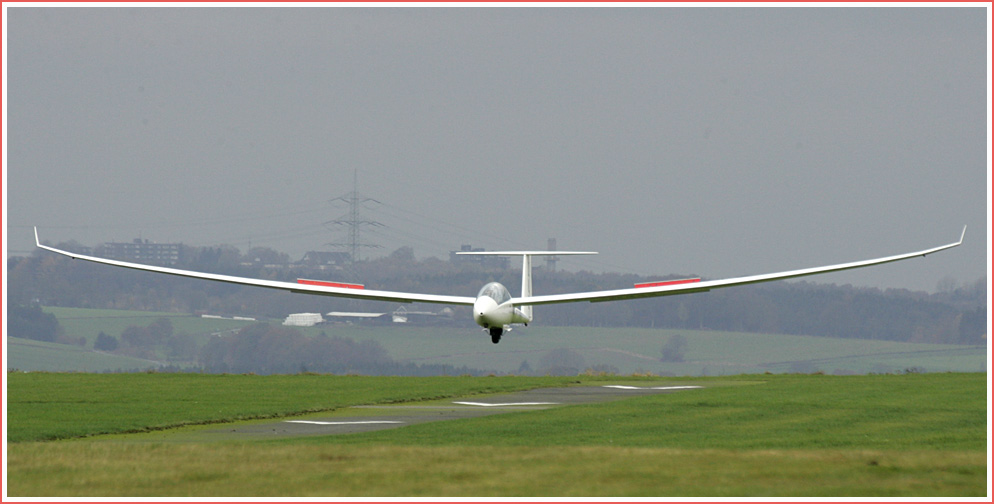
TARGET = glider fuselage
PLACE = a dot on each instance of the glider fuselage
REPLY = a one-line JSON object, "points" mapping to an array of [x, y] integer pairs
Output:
{"points": [[493, 308]]}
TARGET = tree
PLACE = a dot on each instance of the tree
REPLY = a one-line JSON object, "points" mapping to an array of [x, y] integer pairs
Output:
{"points": [[105, 342], [182, 346], [32, 323], [674, 349], [262, 256], [266, 349], [160, 331], [403, 254], [136, 337]]}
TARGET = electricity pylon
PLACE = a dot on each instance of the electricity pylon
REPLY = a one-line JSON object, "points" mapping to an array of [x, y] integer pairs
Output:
{"points": [[353, 222]]}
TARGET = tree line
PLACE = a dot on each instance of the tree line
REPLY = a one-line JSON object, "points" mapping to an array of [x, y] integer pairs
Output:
{"points": [[955, 315], [264, 348]]}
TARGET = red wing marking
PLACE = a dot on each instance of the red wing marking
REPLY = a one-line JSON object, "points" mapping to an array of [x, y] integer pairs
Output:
{"points": [[667, 282], [330, 284]]}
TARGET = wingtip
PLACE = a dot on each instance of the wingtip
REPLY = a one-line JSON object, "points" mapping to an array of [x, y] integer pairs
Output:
{"points": [[37, 241], [962, 235]]}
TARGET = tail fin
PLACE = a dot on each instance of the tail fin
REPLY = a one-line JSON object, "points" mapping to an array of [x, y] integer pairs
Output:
{"points": [[526, 283]]}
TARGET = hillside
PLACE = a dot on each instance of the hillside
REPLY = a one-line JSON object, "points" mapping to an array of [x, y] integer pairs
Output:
{"points": [[533, 350]]}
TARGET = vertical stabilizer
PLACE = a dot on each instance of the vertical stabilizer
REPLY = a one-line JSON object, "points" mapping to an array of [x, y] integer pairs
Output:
{"points": [[526, 283]]}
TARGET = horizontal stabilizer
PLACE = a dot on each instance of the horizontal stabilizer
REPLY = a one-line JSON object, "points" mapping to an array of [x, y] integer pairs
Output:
{"points": [[527, 252]]}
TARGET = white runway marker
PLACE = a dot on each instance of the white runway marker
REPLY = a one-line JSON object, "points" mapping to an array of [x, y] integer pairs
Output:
{"points": [[505, 404], [629, 387], [315, 422]]}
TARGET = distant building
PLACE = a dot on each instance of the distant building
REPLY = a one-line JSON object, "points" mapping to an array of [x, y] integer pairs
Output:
{"points": [[142, 251], [404, 316], [487, 261], [399, 316], [303, 319], [326, 260], [356, 317]]}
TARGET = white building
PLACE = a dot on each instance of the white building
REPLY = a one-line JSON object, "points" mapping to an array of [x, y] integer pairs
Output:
{"points": [[303, 319]]}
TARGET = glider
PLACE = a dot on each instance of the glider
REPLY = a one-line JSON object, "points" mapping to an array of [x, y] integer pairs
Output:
{"points": [[494, 308]]}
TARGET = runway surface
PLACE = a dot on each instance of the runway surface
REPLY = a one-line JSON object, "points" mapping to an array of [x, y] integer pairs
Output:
{"points": [[370, 418]]}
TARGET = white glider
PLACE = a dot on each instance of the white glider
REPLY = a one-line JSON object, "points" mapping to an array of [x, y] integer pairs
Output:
{"points": [[494, 308]]}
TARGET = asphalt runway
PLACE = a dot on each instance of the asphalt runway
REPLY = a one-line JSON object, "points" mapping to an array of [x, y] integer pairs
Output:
{"points": [[370, 418]]}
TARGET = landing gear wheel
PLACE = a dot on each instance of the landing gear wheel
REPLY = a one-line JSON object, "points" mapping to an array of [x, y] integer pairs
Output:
{"points": [[495, 333]]}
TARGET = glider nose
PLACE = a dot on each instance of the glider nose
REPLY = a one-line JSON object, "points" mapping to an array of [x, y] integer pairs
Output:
{"points": [[482, 308]]}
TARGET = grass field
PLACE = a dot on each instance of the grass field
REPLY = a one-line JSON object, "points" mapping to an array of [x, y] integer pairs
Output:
{"points": [[629, 350], [907, 412], [136, 470], [88, 323], [25, 354], [632, 350], [44, 406], [761, 435]]}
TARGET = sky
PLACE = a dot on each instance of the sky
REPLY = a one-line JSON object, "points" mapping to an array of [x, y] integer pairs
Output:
{"points": [[714, 142]]}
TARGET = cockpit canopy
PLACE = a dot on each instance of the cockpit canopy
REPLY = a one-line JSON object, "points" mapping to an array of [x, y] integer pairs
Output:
{"points": [[495, 291]]}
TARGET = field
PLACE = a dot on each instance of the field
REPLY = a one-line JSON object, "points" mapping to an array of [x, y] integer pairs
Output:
{"points": [[88, 323], [25, 354], [758, 435], [44, 406], [636, 350], [628, 350]]}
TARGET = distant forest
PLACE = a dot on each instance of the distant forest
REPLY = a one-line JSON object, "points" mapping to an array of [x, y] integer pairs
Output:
{"points": [[956, 315]]}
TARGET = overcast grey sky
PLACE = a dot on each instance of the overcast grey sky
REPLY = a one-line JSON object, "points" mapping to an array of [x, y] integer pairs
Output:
{"points": [[708, 141]]}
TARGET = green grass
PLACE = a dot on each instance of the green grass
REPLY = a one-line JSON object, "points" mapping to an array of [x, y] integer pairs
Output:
{"points": [[34, 355], [246, 470], [766, 435], [88, 323], [43, 406], [880, 412]]}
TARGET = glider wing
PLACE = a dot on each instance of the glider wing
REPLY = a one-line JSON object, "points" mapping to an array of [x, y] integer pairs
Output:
{"points": [[354, 291], [695, 285]]}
